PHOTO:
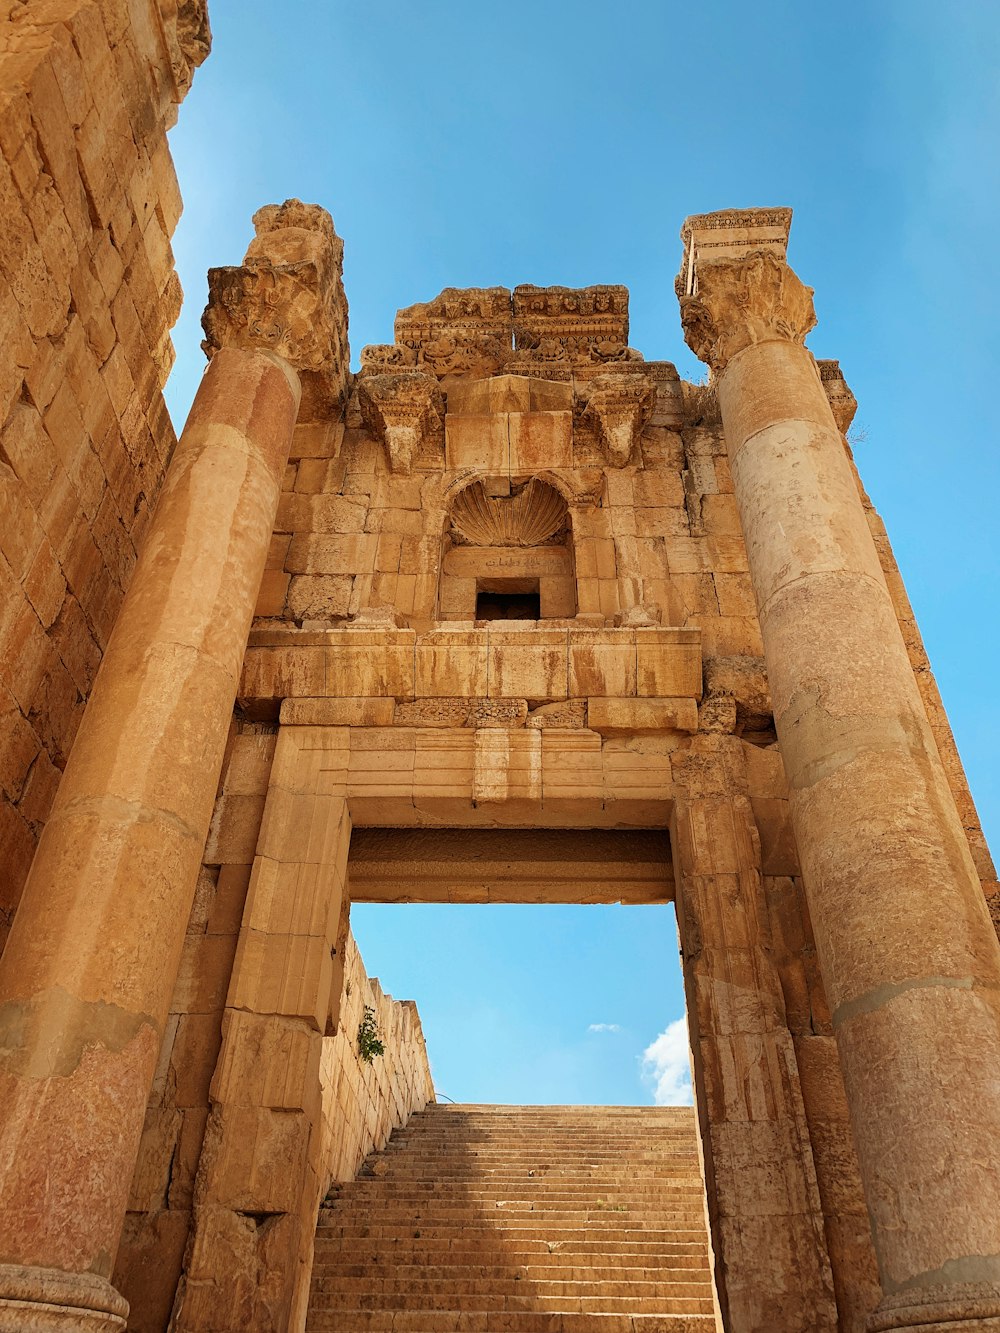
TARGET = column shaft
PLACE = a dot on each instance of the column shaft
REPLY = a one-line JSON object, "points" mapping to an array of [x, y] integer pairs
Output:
{"points": [[909, 957], [86, 979]]}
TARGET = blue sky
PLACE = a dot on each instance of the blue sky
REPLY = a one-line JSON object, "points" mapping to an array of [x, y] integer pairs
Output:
{"points": [[555, 142]]}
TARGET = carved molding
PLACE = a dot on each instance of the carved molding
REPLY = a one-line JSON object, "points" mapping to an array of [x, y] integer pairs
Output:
{"points": [[842, 401], [288, 298], [546, 332], [401, 408], [620, 405], [740, 302]]}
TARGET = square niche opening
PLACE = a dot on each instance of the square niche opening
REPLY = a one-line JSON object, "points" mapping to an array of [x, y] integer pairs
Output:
{"points": [[508, 599]]}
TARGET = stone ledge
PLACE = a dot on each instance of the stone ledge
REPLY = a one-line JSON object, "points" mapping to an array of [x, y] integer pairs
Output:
{"points": [[540, 666]]}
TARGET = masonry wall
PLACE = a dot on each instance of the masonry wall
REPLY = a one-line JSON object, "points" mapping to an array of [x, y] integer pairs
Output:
{"points": [[88, 294], [363, 1103]]}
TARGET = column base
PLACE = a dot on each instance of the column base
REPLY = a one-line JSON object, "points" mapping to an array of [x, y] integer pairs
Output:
{"points": [[47, 1300], [972, 1307]]}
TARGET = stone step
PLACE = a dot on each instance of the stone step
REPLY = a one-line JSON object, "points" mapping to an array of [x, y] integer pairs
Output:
{"points": [[453, 1321], [520, 1220], [356, 1292], [532, 1302], [674, 1271], [649, 1241]]}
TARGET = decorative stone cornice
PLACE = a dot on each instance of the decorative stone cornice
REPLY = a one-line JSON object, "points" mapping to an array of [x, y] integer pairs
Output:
{"points": [[743, 301], [620, 405], [842, 401], [287, 297], [401, 408]]}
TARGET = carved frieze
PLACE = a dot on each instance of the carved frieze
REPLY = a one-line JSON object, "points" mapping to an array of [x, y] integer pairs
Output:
{"points": [[620, 406], [402, 408], [539, 332], [288, 298], [741, 302], [461, 332]]}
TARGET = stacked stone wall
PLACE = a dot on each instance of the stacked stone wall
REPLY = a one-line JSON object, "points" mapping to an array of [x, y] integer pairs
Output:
{"points": [[364, 1102], [88, 294]]}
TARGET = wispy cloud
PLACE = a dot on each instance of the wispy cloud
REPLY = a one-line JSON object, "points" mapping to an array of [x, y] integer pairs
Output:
{"points": [[604, 1027], [666, 1066]]}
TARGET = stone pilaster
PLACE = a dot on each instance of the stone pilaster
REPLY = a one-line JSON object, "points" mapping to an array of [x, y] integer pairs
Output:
{"points": [[86, 979], [761, 1180], [263, 1143], [909, 959]]}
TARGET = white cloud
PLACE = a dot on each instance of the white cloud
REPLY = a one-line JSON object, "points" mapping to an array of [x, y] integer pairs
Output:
{"points": [[604, 1027], [666, 1066]]}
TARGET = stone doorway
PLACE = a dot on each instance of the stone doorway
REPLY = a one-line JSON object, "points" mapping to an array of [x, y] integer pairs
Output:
{"points": [[519, 941]]}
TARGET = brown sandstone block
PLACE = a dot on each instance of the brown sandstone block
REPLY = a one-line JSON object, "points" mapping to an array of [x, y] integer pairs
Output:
{"points": [[602, 662], [452, 663], [282, 974], [613, 717], [531, 665], [477, 441], [319, 597], [204, 974], [540, 440], [272, 594]]}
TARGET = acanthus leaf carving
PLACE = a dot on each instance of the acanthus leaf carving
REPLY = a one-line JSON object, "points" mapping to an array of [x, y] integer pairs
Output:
{"points": [[401, 408], [620, 405], [287, 298], [742, 301]]}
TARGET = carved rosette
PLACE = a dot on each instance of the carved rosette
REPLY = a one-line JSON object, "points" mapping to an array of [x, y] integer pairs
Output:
{"points": [[401, 408], [740, 302], [620, 406], [287, 297]]}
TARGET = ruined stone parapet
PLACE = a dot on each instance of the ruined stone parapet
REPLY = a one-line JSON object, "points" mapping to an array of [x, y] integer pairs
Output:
{"points": [[288, 298]]}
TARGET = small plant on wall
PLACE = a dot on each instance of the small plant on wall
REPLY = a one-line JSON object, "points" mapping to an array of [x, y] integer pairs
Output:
{"points": [[369, 1044]]}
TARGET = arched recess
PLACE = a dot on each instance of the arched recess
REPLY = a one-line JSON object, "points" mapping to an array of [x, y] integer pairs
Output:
{"points": [[507, 553]]}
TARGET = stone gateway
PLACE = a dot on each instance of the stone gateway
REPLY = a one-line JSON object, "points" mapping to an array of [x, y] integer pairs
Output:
{"points": [[510, 614]]}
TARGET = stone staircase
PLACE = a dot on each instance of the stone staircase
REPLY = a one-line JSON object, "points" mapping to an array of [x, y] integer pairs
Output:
{"points": [[547, 1219]]}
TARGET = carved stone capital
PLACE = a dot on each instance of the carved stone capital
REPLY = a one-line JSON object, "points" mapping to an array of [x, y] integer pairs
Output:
{"points": [[620, 405], [742, 301], [287, 297], [401, 408]]}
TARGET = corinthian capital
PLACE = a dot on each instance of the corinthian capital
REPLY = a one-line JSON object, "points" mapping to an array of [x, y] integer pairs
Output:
{"points": [[287, 297], [401, 408], [740, 301]]}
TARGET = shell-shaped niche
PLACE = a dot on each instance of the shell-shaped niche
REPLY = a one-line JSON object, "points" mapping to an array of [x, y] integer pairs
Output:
{"points": [[533, 513]]}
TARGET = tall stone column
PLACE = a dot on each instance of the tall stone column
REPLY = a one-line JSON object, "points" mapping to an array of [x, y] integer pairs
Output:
{"points": [[86, 979], [907, 951]]}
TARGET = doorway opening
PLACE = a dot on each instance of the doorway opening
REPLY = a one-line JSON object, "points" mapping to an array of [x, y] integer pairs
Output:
{"points": [[522, 602], [544, 963]]}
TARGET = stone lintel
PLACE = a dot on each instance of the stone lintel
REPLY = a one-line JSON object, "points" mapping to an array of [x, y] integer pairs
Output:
{"points": [[487, 865]]}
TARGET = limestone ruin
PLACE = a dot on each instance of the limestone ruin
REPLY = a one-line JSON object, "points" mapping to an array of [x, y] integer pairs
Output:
{"points": [[510, 614]]}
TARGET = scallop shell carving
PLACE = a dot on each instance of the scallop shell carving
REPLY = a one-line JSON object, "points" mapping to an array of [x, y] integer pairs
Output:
{"points": [[530, 516]]}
